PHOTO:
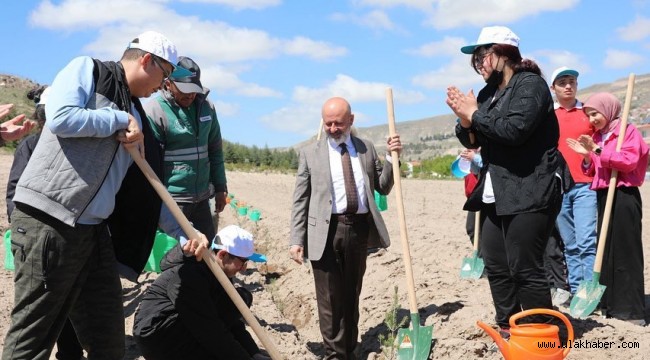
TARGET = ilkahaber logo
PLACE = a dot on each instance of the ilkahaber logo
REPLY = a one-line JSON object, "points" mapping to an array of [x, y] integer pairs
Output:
{"points": [[406, 343]]}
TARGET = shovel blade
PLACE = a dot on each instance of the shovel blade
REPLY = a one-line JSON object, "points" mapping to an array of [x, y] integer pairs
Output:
{"points": [[472, 267], [414, 343], [586, 298]]}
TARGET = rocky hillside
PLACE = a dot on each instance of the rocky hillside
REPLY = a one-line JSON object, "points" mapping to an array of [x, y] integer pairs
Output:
{"points": [[13, 90]]}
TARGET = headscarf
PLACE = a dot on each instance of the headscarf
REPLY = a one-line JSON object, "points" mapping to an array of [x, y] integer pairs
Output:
{"points": [[608, 105]]}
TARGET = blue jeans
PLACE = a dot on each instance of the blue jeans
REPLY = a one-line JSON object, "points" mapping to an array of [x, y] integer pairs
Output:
{"points": [[577, 225]]}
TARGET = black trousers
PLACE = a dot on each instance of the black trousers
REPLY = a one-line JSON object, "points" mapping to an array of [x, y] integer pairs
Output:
{"points": [[513, 251], [622, 270], [338, 277], [68, 346]]}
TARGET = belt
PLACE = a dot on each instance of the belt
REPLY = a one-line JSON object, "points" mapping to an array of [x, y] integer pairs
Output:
{"points": [[351, 218]]}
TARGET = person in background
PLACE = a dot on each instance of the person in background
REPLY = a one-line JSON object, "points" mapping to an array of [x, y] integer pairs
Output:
{"points": [[335, 220], [65, 263], [185, 122], [10, 130], [622, 270], [576, 222], [67, 344], [474, 156], [520, 187], [187, 314]]}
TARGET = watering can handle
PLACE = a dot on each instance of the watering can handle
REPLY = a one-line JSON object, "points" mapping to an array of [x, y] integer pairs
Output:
{"points": [[565, 320]]}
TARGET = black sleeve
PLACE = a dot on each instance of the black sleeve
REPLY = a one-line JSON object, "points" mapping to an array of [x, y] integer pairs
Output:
{"points": [[21, 158]]}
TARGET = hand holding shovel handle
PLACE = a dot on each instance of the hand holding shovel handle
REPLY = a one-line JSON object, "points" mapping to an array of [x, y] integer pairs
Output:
{"points": [[207, 255]]}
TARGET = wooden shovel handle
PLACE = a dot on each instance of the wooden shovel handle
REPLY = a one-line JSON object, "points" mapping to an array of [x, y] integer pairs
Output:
{"points": [[400, 207], [602, 237], [477, 228], [208, 257]]}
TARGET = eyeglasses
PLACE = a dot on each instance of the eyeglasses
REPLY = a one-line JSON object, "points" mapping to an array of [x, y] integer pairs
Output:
{"points": [[480, 58], [166, 74]]}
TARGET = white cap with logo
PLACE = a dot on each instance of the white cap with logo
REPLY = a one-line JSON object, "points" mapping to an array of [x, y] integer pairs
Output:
{"points": [[157, 44], [493, 35], [237, 241]]}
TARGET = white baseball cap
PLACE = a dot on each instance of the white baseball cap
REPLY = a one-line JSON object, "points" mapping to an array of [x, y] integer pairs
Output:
{"points": [[493, 35], [563, 71], [44, 95], [237, 241], [157, 44]]}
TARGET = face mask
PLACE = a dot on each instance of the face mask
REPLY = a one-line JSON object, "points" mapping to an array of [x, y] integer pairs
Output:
{"points": [[496, 77]]}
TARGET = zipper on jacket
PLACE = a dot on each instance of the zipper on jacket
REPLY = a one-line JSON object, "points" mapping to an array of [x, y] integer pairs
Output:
{"points": [[23, 256], [44, 261]]}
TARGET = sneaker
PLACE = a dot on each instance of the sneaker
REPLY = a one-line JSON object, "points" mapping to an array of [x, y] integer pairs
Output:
{"points": [[560, 297]]}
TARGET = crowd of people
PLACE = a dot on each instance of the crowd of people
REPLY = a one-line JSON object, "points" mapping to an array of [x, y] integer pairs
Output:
{"points": [[83, 214]]}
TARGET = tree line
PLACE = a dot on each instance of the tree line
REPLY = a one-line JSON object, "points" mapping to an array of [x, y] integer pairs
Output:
{"points": [[256, 158]]}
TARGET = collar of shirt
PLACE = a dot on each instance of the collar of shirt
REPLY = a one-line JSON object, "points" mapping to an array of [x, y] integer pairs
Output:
{"points": [[577, 106], [337, 147]]}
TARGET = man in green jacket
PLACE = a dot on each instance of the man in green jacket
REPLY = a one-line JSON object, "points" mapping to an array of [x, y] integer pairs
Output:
{"points": [[185, 122]]}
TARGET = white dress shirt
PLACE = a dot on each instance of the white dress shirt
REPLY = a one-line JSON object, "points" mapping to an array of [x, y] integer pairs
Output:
{"points": [[340, 203]]}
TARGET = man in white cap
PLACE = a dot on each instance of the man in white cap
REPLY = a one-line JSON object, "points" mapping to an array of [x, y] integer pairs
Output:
{"points": [[79, 182], [187, 314], [577, 220], [185, 122]]}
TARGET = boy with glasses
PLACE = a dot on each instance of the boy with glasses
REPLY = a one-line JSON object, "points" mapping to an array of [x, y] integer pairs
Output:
{"points": [[80, 181]]}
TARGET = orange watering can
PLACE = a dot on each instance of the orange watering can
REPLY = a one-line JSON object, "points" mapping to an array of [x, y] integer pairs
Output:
{"points": [[532, 341]]}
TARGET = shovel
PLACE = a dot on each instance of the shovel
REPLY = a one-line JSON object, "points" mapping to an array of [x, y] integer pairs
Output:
{"points": [[472, 267], [589, 292], [207, 255], [414, 343]]}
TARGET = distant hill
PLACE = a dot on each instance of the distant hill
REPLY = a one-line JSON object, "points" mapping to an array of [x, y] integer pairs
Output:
{"points": [[434, 136], [424, 138]]}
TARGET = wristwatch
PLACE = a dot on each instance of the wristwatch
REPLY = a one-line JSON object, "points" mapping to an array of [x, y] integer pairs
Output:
{"points": [[598, 151]]}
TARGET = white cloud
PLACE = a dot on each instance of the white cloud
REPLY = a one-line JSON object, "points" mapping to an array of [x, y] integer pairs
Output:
{"points": [[454, 13], [458, 72], [314, 49], [303, 115], [240, 4], [619, 59], [553, 59], [375, 20], [225, 109], [447, 14], [209, 42], [637, 30], [447, 46]]}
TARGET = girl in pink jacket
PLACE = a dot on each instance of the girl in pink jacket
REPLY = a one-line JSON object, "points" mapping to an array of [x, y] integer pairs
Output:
{"points": [[622, 270]]}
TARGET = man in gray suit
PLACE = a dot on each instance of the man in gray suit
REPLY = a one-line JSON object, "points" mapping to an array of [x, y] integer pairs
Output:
{"points": [[335, 220]]}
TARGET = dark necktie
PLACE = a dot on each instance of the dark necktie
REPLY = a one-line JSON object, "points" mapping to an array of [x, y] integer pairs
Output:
{"points": [[351, 194]]}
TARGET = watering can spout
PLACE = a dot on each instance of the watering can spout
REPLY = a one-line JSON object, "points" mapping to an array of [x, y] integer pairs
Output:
{"points": [[503, 345]]}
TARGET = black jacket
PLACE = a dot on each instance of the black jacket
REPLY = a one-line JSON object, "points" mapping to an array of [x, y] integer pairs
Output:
{"points": [[21, 157], [188, 304], [518, 133]]}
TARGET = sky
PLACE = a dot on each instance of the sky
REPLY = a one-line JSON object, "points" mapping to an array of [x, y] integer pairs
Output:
{"points": [[270, 64]]}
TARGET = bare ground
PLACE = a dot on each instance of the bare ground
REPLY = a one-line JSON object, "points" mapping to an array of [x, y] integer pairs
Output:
{"points": [[284, 293]]}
